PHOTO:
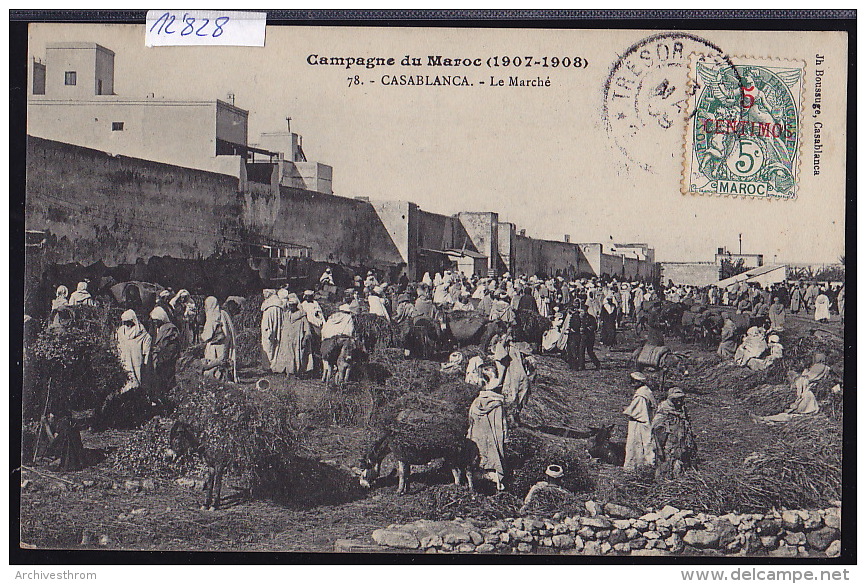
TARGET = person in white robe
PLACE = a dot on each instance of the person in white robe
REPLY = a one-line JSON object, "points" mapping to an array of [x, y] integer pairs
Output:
{"points": [[638, 445], [487, 430], [377, 303], [81, 296], [133, 346], [822, 307], [272, 321]]}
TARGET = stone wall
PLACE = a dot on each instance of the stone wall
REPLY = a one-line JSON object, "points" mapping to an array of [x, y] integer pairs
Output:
{"points": [[620, 530], [96, 206]]}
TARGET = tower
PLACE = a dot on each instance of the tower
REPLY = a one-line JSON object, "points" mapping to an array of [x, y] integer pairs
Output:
{"points": [[78, 71]]}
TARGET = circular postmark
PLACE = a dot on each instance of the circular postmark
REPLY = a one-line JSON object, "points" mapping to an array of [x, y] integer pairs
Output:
{"points": [[646, 95]]}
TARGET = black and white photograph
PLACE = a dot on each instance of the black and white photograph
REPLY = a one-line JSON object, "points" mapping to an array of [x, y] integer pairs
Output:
{"points": [[563, 289]]}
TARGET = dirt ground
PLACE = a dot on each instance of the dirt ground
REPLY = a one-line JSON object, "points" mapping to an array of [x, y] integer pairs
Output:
{"points": [[99, 508]]}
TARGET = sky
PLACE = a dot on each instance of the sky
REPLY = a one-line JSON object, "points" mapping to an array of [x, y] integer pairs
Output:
{"points": [[542, 157]]}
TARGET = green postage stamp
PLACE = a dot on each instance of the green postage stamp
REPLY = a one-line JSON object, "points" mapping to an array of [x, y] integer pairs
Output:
{"points": [[743, 134]]}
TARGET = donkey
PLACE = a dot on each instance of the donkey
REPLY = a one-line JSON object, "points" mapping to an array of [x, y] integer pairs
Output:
{"points": [[182, 440], [602, 448], [460, 456]]}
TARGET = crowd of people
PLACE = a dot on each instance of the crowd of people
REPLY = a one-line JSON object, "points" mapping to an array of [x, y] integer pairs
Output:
{"points": [[296, 336]]}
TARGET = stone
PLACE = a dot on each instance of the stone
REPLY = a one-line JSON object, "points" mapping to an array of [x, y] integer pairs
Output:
{"points": [[674, 543], [104, 540], [605, 547], [522, 536], [667, 512], [725, 530], [769, 541], [834, 549], [505, 537], [485, 548], [524, 548], [691, 522], [650, 552], [533, 524], [681, 514], [617, 536], [357, 546], [571, 523], [492, 538], [396, 539], [820, 539], [476, 538], [632, 533], [547, 541], [517, 523], [578, 543], [592, 508], [602, 534], [664, 530], [651, 534], [560, 528], [621, 548], [768, 527], [701, 538], [586, 532], [833, 521], [813, 521], [456, 537], [562, 541], [466, 548], [650, 517], [597, 522], [621, 511], [637, 544], [592, 548], [691, 551], [621, 523], [640, 523], [784, 551], [791, 520], [657, 544], [431, 541], [796, 538]]}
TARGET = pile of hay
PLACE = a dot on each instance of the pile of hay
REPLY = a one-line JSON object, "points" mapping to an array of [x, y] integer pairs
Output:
{"points": [[375, 332], [248, 343], [445, 502], [421, 421], [79, 363], [528, 456], [352, 405], [143, 454], [252, 428], [799, 468], [250, 315]]}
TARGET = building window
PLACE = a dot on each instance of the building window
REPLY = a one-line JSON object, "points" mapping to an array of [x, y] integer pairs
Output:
{"points": [[71, 78], [116, 126]]}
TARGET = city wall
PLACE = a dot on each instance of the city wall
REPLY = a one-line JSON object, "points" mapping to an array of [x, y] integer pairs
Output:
{"points": [[97, 206]]}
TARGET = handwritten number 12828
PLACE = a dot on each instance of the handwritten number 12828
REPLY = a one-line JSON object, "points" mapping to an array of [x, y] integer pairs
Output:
{"points": [[166, 24]]}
